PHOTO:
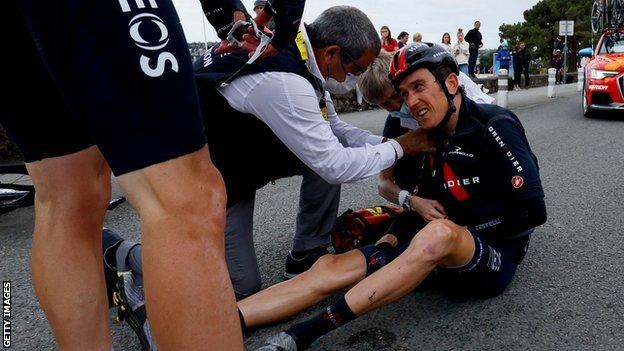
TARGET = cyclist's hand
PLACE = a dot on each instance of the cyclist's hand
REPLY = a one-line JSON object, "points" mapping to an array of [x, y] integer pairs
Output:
{"points": [[428, 209]]}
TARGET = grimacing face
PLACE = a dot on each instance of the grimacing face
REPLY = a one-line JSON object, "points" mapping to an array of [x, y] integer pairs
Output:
{"points": [[424, 97]]}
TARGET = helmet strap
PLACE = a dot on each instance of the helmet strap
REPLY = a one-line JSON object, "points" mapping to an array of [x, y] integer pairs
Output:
{"points": [[449, 97]]}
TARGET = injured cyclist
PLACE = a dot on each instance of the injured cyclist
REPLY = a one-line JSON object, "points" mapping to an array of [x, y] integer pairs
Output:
{"points": [[474, 235]]}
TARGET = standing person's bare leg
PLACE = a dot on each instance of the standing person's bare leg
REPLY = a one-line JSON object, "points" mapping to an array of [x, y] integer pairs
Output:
{"points": [[72, 194], [190, 301]]}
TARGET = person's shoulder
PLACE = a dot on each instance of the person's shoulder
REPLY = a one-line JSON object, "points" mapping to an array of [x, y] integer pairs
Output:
{"points": [[490, 114]]}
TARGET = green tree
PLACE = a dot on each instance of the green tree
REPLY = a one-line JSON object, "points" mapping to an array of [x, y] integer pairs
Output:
{"points": [[541, 26]]}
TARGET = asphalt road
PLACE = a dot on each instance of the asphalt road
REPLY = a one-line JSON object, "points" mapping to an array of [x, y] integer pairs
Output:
{"points": [[567, 294]]}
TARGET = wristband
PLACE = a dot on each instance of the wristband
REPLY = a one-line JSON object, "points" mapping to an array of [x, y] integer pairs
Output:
{"points": [[404, 197]]}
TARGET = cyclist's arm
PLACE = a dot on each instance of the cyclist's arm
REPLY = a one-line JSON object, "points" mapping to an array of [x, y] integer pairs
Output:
{"points": [[519, 174], [386, 186]]}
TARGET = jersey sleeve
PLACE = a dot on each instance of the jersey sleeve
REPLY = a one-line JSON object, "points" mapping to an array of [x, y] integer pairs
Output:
{"points": [[287, 16], [515, 163], [220, 14]]}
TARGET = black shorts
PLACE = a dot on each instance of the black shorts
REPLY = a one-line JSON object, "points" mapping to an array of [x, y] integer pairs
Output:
{"points": [[488, 273], [116, 74]]}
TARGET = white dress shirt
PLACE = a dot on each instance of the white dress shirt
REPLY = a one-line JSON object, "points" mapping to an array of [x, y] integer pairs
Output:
{"points": [[288, 104]]}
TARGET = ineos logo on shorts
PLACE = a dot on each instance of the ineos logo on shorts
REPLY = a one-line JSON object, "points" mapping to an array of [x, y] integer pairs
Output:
{"points": [[135, 34], [162, 57]]}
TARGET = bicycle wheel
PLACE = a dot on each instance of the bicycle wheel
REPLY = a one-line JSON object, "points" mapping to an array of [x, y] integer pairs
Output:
{"points": [[596, 16], [16, 188]]}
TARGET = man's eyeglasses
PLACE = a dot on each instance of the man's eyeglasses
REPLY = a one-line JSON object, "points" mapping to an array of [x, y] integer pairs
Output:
{"points": [[359, 69]]}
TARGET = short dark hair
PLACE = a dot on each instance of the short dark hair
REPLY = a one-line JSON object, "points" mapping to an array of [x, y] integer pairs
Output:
{"points": [[403, 35], [347, 27]]}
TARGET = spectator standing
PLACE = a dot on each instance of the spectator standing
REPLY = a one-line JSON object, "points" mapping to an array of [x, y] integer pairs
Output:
{"points": [[517, 68], [446, 42], [388, 43], [557, 63], [417, 37], [523, 58], [557, 45], [461, 51], [403, 38], [475, 42], [504, 59]]}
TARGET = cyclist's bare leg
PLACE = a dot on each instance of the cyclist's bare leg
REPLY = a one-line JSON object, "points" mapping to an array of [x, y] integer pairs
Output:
{"points": [[440, 243], [329, 275], [189, 297], [70, 202]]}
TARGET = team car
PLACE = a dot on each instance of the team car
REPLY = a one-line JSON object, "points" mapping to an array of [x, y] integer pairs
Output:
{"points": [[603, 89]]}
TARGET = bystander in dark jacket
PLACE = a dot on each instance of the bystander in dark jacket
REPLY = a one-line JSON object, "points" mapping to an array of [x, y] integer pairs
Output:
{"points": [[475, 41], [522, 60]]}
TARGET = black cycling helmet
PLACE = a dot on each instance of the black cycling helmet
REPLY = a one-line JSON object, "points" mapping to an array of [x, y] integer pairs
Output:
{"points": [[420, 55], [425, 55]]}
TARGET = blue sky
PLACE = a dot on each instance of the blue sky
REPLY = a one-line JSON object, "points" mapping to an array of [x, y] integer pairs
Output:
{"points": [[431, 18]]}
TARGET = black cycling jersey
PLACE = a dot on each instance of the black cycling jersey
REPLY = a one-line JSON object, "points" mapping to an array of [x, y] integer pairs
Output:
{"points": [[481, 172], [116, 74]]}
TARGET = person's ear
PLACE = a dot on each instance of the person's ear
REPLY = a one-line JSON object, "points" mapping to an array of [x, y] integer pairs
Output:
{"points": [[331, 53], [452, 83]]}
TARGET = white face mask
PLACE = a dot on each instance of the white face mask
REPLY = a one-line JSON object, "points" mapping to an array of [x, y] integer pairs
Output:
{"points": [[407, 121], [336, 87]]}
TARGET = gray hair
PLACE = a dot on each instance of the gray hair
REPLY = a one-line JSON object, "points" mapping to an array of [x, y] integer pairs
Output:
{"points": [[347, 27], [374, 82]]}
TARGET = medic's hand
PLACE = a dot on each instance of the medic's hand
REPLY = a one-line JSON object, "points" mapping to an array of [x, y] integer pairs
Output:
{"points": [[416, 142]]}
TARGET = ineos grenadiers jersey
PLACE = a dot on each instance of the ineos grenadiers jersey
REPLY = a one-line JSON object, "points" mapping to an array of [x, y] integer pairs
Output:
{"points": [[485, 167]]}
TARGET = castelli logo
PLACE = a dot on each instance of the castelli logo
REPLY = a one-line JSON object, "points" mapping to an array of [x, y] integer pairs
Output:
{"points": [[517, 182]]}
